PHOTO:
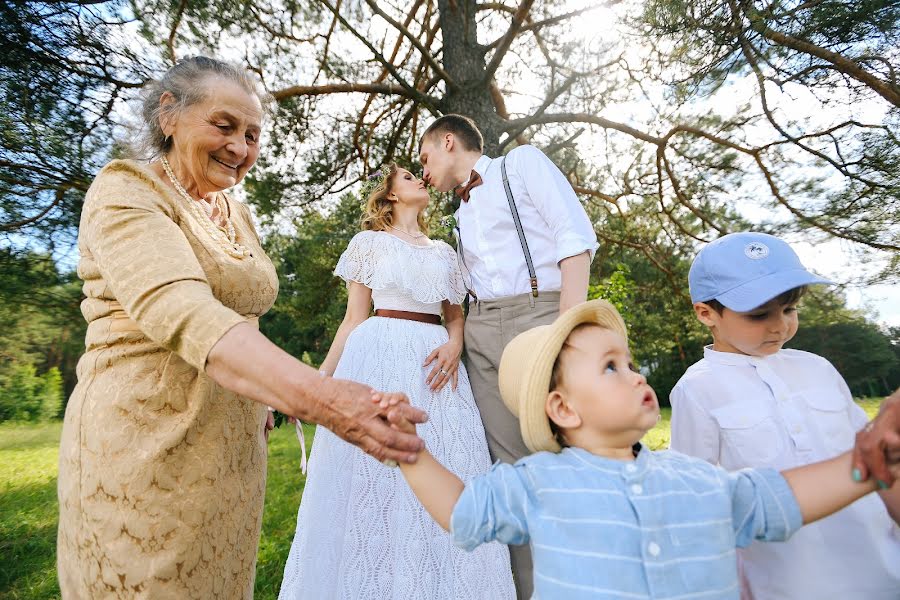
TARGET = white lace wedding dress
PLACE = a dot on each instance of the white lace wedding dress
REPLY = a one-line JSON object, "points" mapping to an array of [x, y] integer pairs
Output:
{"points": [[361, 532]]}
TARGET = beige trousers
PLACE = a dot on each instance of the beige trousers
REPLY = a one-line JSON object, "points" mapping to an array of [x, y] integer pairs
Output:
{"points": [[490, 325]]}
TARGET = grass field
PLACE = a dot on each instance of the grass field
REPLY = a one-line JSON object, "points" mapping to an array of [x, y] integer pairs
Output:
{"points": [[28, 511]]}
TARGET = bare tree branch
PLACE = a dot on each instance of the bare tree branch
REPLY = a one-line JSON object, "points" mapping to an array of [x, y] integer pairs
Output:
{"points": [[175, 23], [543, 119], [517, 21], [550, 99], [345, 88], [411, 91], [426, 54], [328, 36]]}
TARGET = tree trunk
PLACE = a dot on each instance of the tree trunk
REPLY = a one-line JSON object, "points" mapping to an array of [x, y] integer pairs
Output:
{"points": [[463, 59]]}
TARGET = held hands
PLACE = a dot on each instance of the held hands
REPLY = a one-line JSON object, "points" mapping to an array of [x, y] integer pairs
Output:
{"points": [[355, 414], [446, 366], [397, 420], [877, 451]]}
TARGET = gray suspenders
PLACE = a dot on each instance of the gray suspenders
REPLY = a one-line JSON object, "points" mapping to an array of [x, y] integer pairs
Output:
{"points": [[515, 215], [524, 243]]}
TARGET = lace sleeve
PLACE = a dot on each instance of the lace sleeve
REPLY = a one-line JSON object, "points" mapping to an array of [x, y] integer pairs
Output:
{"points": [[457, 285], [359, 262], [380, 261]]}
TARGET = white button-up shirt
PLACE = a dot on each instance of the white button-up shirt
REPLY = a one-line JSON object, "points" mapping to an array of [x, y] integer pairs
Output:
{"points": [[555, 225], [783, 411]]}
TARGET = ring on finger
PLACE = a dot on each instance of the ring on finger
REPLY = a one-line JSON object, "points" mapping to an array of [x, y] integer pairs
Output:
{"points": [[444, 372], [390, 462]]}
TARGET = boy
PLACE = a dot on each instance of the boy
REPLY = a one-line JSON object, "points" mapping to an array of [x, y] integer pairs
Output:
{"points": [[751, 403], [605, 517]]}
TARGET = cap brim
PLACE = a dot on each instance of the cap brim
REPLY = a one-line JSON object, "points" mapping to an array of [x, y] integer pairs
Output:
{"points": [[757, 292]]}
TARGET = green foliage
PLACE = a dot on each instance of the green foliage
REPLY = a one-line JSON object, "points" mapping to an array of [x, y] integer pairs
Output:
{"points": [[311, 300], [617, 289], [27, 396], [40, 339], [859, 351]]}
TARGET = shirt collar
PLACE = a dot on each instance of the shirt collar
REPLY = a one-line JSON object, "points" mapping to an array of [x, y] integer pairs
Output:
{"points": [[640, 461], [481, 165], [732, 358]]}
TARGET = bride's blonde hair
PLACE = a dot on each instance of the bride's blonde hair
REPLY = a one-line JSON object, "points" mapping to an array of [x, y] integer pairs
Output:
{"points": [[379, 212]]}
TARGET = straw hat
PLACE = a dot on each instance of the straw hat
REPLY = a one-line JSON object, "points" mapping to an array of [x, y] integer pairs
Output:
{"points": [[527, 364]]}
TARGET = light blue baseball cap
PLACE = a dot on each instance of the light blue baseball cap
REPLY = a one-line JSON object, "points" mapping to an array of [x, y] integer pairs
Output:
{"points": [[745, 270]]}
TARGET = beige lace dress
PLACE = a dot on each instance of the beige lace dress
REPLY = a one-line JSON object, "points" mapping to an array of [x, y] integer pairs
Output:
{"points": [[161, 470]]}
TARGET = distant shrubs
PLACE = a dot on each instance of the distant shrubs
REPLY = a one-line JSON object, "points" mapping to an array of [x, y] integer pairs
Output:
{"points": [[27, 396]]}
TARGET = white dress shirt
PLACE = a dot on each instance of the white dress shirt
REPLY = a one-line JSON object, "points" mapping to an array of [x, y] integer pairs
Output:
{"points": [[555, 225], [783, 411]]}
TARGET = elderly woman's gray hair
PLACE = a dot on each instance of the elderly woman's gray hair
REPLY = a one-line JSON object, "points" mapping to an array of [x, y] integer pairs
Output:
{"points": [[188, 82]]}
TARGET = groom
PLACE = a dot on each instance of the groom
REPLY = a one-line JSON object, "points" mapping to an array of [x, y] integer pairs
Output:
{"points": [[525, 248]]}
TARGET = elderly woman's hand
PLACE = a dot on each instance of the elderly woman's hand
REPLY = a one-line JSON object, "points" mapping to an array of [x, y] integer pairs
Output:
{"points": [[356, 415], [879, 443]]}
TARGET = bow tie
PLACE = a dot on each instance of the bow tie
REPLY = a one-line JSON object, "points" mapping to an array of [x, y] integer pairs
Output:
{"points": [[463, 191]]}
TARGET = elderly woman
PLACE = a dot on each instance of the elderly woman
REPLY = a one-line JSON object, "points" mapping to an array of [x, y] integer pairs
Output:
{"points": [[163, 458]]}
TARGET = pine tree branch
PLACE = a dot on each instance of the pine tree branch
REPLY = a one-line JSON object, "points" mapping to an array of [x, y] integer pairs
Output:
{"points": [[451, 84], [60, 193], [175, 23], [847, 66]]}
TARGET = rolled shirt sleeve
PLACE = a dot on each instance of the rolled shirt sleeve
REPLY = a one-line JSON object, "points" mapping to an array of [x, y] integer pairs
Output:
{"points": [[493, 506], [149, 265], [763, 506], [556, 202]]}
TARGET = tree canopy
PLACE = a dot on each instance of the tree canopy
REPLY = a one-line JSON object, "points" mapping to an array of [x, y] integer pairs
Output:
{"points": [[676, 122]]}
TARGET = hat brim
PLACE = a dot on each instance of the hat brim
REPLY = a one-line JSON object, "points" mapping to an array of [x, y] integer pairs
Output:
{"points": [[757, 292], [527, 365]]}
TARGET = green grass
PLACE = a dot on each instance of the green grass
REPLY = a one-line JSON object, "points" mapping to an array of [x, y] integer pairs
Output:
{"points": [[658, 437], [870, 405], [284, 486], [28, 509], [28, 513]]}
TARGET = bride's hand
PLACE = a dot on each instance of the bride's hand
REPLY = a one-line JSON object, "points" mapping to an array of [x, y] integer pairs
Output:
{"points": [[446, 365]]}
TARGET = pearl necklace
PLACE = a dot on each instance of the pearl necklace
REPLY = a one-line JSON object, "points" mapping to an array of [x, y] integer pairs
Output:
{"points": [[413, 236], [225, 238]]}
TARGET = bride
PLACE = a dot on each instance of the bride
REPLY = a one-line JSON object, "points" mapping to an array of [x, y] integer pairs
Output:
{"points": [[361, 533]]}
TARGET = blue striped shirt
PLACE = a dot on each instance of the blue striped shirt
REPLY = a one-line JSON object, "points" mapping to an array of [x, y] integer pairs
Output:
{"points": [[663, 526]]}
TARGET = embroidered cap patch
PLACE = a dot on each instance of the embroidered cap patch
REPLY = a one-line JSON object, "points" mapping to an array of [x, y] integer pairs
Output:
{"points": [[756, 250]]}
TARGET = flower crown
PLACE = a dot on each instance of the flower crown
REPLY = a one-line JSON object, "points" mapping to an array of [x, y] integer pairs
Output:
{"points": [[374, 180]]}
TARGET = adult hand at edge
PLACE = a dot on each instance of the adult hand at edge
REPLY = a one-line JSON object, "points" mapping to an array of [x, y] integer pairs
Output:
{"points": [[356, 418], [878, 442]]}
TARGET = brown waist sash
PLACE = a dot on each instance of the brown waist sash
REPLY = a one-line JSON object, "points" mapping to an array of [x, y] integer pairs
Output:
{"points": [[409, 316]]}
